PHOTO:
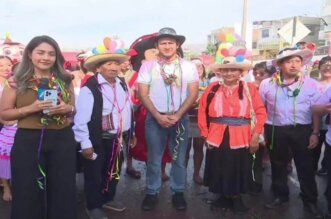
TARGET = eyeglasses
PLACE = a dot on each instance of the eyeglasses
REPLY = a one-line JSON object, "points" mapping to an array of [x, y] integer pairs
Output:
{"points": [[326, 67]]}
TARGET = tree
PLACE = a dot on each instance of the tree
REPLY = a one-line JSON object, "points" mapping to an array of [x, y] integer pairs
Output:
{"points": [[211, 49]]}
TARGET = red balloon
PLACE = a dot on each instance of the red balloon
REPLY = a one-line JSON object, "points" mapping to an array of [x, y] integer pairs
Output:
{"points": [[225, 52]]}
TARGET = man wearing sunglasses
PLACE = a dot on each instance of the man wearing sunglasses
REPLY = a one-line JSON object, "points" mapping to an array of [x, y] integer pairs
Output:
{"points": [[288, 97]]}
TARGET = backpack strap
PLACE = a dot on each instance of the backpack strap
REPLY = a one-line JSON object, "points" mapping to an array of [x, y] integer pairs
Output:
{"points": [[209, 99]]}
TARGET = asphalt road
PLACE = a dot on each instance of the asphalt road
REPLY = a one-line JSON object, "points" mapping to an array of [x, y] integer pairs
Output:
{"points": [[131, 193]]}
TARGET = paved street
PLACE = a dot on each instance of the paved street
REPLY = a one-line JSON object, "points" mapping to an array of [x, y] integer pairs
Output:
{"points": [[131, 193]]}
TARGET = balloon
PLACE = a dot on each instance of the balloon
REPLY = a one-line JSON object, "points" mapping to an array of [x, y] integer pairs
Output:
{"points": [[106, 42], [240, 58], [222, 37], [225, 52], [94, 50], [112, 46], [232, 51], [230, 38], [119, 44], [240, 51], [238, 37], [219, 53], [120, 51], [224, 46], [218, 59], [101, 48]]}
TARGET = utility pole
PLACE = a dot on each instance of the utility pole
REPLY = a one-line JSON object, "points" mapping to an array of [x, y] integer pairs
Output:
{"points": [[244, 21], [294, 30]]}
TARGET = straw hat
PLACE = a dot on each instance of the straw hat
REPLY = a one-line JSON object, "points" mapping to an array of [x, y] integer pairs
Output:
{"points": [[92, 61], [233, 62]]}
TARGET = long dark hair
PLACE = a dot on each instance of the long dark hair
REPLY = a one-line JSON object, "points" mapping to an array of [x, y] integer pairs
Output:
{"points": [[25, 70]]}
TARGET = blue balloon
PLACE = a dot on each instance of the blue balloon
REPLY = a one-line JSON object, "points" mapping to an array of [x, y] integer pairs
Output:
{"points": [[94, 50], [240, 58], [120, 51]]}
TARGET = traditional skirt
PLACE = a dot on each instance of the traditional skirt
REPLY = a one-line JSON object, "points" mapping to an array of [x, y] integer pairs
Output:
{"points": [[227, 170], [7, 135]]}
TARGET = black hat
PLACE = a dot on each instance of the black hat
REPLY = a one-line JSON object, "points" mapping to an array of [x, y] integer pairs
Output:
{"points": [[170, 32]]}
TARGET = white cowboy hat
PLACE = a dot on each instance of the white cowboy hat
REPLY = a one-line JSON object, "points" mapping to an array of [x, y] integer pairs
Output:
{"points": [[305, 55]]}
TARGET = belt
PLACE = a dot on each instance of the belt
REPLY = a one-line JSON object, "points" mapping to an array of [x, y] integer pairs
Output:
{"points": [[234, 121]]}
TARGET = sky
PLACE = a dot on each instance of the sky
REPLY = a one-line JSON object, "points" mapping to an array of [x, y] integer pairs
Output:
{"points": [[82, 24]]}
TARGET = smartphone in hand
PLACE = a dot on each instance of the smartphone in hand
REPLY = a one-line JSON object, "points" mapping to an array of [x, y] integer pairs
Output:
{"points": [[50, 95]]}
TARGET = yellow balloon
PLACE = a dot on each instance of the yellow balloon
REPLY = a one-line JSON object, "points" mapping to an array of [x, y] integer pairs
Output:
{"points": [[101, 48], [224, 46]]}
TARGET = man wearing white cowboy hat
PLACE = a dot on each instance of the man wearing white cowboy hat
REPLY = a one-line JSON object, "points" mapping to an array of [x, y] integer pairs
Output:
{"points": [[103, 115], [288, 97], [167, 87]]}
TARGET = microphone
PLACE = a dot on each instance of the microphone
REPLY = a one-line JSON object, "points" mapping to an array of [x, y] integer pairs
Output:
{"points": [[42, 87]]}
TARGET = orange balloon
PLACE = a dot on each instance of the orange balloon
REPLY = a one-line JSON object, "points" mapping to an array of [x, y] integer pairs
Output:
{"points": [[106, 42], [222, 37]]}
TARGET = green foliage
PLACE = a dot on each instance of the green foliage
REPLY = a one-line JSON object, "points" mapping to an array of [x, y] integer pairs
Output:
{"points": [[211, 49]]}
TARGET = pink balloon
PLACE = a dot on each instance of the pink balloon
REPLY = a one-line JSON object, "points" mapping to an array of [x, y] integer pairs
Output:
{"points": [[112, 46], [240, 52], [232, 51]]}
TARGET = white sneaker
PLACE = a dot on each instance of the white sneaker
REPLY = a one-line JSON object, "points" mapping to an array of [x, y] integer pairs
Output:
{"points": [[115, 206]]}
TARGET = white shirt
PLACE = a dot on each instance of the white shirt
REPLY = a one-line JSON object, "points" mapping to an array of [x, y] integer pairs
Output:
{"points": [[159, 91], [84, 106]]}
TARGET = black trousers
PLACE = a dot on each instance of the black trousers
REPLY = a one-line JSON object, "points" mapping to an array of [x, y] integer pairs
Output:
{"points": [[317, 151], [98, 189], [58, 158], [297, 140]]}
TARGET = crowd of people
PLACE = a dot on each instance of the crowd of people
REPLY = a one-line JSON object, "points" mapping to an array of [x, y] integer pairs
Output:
{"points": [[106, 112]]}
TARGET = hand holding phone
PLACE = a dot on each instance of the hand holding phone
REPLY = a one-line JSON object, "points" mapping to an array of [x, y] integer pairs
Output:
{"points": [[51, 96]]}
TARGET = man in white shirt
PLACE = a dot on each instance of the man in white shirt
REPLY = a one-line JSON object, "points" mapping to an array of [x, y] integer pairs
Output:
{"points": [[104, 113], [167, 87]]}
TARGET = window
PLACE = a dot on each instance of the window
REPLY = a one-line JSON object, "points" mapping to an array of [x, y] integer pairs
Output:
{"points": [[265, 33]]}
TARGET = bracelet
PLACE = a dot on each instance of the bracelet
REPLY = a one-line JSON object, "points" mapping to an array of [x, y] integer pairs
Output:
{"points": [[315, 133]]}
